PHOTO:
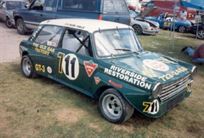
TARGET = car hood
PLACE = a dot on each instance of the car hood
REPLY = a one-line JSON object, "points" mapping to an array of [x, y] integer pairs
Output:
{"points": [[154, 66]]}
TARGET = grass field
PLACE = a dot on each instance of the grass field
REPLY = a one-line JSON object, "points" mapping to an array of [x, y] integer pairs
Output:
{"points": [[42, 108]]}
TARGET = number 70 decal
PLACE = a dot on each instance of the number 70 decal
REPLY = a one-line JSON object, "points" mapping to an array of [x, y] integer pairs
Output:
{"points": [[69, 65]]}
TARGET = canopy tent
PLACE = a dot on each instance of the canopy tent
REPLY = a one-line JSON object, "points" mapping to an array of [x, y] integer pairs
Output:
{"points": [[195, 4]]}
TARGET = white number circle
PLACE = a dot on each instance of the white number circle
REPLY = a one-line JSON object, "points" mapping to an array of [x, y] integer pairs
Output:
{"points": [[156, 65], [70, 66]]}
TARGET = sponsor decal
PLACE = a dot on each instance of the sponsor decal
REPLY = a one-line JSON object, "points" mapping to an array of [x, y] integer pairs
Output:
{"points": [[97, 80], [151, 107], [128, 76], [156, 65], [173, 74], [45, 50], [49, 70], [90, 67], [69, 65], [40, 68], [115, 84]]}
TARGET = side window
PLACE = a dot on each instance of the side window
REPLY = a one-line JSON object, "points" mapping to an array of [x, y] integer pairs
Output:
{"points": [[76, 41], [49, 35], [38, 5], [50, 5], [85, 5], [113, 6]]}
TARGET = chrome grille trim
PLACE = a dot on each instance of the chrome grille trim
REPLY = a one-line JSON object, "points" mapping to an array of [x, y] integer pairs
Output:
{"points": [[169, 90]]}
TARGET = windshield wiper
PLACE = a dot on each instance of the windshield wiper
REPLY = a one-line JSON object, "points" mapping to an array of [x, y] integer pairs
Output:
{"points": [[123, 49], [126, 49]]}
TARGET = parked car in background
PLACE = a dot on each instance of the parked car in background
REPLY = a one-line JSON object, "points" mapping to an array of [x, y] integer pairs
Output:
{"points": [[198, 28], [168, 6], [6, 10], [167, 22], [106, 61], [41, 10], [143, 26], [134, 5]]}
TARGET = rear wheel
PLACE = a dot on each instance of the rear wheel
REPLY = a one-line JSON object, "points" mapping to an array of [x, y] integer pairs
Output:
{"points": [[138, 29], [114, 107], [27, 67], [200, 34], [20, 25], [8, 23], [182, 29]]}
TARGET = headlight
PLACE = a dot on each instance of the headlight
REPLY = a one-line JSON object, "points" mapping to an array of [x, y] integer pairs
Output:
{"points": [[194, 70], [157, 90]]}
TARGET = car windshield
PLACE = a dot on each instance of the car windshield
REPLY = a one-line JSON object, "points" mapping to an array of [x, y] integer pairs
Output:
{"points": [[11, 5], [116, 42]]}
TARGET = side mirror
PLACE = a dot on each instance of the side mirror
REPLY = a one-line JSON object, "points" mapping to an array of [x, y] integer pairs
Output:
{"points": [[26, 6]]}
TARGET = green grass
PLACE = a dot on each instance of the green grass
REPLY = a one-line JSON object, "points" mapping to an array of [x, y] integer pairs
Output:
{"points": [[33, 108]]}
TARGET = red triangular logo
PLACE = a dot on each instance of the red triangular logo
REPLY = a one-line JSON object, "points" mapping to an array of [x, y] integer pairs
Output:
{"points": [[90, 67]]}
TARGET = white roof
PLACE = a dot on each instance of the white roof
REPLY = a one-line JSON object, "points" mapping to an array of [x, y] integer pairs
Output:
{"points": [[89, 25]]}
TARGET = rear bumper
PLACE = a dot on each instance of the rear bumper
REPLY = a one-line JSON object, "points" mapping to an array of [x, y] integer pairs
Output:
{"points": [[151, 32]]}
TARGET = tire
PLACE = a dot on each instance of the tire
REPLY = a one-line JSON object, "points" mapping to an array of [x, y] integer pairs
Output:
{"points": [[200, 34], [27, 67], [8, 23], [20, 25], [138, 29], [182, 29], [113, 107]]}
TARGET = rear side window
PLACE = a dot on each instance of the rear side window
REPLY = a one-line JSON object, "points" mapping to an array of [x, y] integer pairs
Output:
{"points": [[82, 5], [49, 35], [115, 6]]}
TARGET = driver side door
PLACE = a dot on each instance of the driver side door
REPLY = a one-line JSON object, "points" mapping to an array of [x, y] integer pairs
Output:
{"points": [[76, 66]]}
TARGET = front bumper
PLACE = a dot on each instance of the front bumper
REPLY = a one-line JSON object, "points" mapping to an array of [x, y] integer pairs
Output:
{"points": [[141, 104], [151, 32]]}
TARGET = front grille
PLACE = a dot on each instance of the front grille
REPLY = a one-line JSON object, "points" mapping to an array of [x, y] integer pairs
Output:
{"points": [[169, 90]]}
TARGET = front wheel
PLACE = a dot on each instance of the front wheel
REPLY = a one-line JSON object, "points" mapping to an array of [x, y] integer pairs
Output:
{"points": [[138, 29], [20, 25], [114, 107], [182, 29], [27, 67], [200, 34], [8, 23]]}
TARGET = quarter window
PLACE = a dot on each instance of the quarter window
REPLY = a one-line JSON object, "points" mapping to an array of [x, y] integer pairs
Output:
{"points": [[115, 6], [49, 35]]}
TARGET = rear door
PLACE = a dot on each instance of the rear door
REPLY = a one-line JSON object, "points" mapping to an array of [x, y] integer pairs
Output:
{"points": [[116, 11], [44, 44]]}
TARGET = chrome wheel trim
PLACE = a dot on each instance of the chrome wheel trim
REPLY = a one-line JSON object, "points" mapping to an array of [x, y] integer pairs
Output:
{"points": [[27, 66], [182, 29], [200, 34], [112, 106], [8, 22], [137, 29]]}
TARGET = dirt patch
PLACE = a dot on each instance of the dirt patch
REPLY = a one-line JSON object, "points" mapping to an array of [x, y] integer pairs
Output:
{"points": [[70, 115], [95, 127], [196, 128], [127, 127]]}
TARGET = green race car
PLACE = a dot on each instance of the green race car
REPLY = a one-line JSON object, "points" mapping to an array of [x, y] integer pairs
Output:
{"points": [[105, 61]]}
